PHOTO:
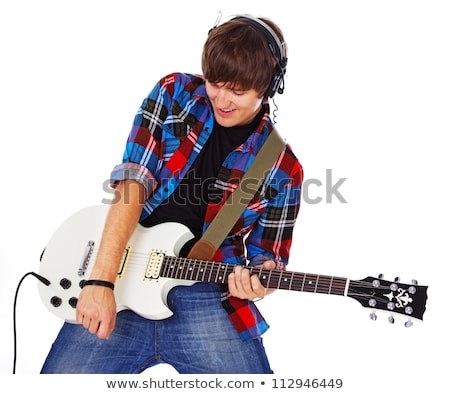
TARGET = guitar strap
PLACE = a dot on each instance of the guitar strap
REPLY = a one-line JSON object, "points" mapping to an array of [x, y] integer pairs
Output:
{"points": [[222, 223]]}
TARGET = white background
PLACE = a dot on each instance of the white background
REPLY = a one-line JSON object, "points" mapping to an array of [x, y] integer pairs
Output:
{"points": [[367, 96]]}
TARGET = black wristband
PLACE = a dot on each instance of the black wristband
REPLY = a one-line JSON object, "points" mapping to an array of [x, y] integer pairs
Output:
{"points": [[94, 282]]}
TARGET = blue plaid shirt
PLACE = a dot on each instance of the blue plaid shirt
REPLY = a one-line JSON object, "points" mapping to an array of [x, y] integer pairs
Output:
{"points": [[169, 130]]}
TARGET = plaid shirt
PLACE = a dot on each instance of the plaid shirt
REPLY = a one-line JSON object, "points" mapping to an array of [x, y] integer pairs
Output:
{"points": [[169, 130]]}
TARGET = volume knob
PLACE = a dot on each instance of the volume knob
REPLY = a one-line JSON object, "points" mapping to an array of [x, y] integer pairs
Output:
{"points": [[73, 302], [55, 301], [65, 283]]}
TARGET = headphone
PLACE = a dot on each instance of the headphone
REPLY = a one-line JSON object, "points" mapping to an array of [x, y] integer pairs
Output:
{"points": [[276, 47]]}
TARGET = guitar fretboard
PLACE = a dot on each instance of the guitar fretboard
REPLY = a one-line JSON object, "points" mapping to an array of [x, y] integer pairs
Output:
{"points": [[216, 272]]}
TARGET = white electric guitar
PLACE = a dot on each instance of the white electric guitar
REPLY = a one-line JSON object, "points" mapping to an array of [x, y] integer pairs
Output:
{"points": [[149, 269]]}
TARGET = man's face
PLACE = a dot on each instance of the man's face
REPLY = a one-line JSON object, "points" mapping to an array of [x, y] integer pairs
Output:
{"points": [[233, 107]]}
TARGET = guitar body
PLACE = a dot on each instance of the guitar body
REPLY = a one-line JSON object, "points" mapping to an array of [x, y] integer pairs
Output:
{"points": [[76, 243]]}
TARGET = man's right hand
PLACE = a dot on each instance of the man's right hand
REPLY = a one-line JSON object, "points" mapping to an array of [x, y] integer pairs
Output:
{"points": [[96, 310]]}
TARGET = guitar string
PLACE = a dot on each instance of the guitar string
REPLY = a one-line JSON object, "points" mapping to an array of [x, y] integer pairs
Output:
{"points": [[297, 281], [143, 257], [304, 282]]}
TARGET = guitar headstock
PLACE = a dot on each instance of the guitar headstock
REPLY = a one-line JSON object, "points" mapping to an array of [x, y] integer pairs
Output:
{"points": [[395, 297]]}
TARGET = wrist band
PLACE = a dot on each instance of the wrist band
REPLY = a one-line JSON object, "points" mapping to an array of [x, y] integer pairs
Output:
{"points": [[94, 282]]}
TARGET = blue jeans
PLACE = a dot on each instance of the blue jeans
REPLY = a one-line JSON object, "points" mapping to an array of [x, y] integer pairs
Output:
{"points": [[199, 338]]}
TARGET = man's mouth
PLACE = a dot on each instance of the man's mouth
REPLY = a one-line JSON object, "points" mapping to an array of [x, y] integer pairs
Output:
{"points": [[225, 111]]}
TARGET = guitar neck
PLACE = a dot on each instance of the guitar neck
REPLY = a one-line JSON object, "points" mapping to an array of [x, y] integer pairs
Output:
{"points": [[217, 272]]}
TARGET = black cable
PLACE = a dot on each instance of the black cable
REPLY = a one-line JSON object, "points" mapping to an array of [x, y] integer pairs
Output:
{"points": [[43, 280], [274, 112]]}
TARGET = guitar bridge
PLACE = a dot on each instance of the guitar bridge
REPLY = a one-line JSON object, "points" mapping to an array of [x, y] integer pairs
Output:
{"points": [[154, 265], [84, 263]]}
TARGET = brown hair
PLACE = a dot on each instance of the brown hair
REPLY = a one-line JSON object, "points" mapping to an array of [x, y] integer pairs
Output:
{"points": [[237, 53]]}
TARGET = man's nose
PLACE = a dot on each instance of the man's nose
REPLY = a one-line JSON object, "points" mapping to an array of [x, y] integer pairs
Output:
{"points": [[223, 98]]}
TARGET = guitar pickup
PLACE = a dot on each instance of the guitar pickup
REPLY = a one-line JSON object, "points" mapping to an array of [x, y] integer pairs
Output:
{"points": [[154, 265], [125, 255]]}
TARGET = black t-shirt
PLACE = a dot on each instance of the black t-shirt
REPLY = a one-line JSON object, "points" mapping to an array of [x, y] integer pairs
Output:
{"points": [[188, 203]]}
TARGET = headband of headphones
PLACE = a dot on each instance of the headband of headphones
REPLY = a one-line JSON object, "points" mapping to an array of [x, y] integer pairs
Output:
{"points": [[276, 47]]}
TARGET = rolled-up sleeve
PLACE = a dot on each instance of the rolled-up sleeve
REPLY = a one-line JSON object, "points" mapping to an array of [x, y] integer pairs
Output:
{"points": [[136, 172]]}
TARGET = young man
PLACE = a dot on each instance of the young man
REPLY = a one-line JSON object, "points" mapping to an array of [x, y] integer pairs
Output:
{"points": [[192, 140]]}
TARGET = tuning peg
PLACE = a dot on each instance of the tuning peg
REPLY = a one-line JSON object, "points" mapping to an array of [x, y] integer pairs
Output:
{"points": [[381, 276], [397, 279], [373, 316], [408, 323], [412, 289], [391, 319]]}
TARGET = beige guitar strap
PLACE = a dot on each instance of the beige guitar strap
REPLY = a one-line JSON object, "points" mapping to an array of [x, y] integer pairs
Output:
{"points": [[219, 228]]}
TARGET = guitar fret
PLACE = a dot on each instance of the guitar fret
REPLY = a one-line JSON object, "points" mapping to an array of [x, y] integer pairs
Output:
{"points": [[285, 284], [325, 285], [217, 269], [169, 268], [164, 267], [190, 269], [209, 269], [196, 270], [271, 280], [193, 269], [295, 281], [339, 285], [224, 276], [224, 271], [203, 271], [309, 283], [262, 275], [180, 269], [279, 279], [177, 270]]}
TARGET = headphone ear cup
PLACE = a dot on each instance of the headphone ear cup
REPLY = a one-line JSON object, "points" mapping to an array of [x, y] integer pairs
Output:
{"points": [[277, 82], [273, 87]]}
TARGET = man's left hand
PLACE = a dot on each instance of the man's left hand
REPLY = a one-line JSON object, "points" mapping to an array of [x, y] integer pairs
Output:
{"points": [[243, 285]]}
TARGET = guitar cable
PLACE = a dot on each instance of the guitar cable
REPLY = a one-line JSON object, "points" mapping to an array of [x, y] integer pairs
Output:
{"points": [[46, 282]]}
